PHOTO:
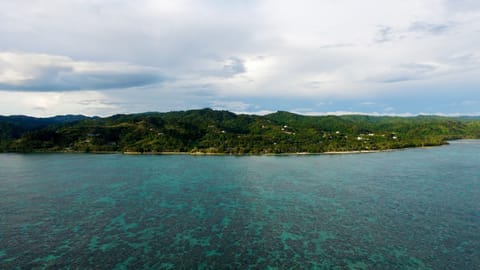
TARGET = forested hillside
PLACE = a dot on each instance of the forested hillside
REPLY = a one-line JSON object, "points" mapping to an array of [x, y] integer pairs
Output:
{"points": [[210, 131]]}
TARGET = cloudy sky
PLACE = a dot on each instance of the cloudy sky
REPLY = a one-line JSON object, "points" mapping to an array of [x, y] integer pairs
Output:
{"points": [[102, 57]]}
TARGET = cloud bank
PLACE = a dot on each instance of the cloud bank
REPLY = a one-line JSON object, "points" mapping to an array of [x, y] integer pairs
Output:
{"points": [[43, 72], [413, 56]]}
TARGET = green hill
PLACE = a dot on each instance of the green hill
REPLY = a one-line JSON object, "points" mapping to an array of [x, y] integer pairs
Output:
{"points": [[210, 131]]}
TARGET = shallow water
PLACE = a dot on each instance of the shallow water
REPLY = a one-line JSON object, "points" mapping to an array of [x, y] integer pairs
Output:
{"points": [[409, 209]]}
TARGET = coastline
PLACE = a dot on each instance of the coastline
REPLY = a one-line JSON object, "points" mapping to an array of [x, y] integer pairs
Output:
{"points": [[359, 151], [199, 153], [167, 153], [259, 154]]}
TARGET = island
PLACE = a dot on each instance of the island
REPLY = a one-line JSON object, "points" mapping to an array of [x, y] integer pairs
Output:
{"points": [[207, 131]]}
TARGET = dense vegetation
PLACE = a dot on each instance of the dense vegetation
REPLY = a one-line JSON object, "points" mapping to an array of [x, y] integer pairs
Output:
{"points": [[210, 131]]}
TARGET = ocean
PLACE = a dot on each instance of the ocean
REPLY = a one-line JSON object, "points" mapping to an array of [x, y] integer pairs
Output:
{"points": [[406, 209]]}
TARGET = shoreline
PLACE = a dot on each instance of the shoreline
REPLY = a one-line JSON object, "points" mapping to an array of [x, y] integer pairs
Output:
{"points": [[198, 153], [172, 153]]}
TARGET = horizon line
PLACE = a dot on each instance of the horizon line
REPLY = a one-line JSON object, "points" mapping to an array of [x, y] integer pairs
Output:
{"points": [[266, 112]]}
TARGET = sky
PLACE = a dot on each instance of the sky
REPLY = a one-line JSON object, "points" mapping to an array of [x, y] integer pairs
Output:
{"points": [[314, 57]]}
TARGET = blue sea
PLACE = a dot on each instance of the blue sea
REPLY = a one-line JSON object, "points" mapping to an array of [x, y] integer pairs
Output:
{"points": [[406, 209]]}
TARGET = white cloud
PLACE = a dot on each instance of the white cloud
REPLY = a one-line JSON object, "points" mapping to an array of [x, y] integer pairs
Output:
{"points": [[56, 103], [244, 51], [234, 106]]}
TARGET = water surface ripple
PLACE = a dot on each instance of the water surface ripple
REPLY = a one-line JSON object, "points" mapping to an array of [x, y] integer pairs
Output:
{"points": [[409, 209]]}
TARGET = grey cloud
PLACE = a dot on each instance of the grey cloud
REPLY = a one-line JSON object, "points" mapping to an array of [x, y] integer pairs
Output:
{"points": [[314, 84], [200, 91], [145, 32], [337, 45], [220, 67], [384, 34], [465, 60], [406, 72], [429, 28], [417, 29], [39, 72], [417, 71], [394, 78], [60, 80], [89, 102], [463, 5], [233, 66], [419, 67]]}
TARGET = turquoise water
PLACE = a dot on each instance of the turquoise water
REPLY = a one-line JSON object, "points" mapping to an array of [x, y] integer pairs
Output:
{"points": [[409, 209]]}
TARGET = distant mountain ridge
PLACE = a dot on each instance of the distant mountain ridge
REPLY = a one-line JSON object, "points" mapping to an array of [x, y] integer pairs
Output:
{"points": [[30, 122], [214, 131]]}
